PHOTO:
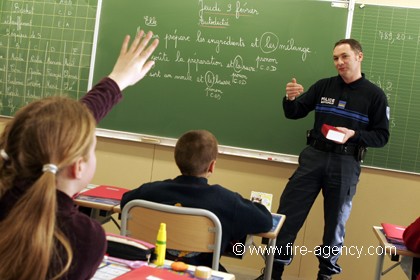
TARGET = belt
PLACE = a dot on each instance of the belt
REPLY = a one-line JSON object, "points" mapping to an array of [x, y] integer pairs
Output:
{"points": [[342, 149]]}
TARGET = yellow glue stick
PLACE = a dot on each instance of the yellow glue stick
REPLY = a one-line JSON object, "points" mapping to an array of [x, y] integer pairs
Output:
{"points": [[160, 249]]}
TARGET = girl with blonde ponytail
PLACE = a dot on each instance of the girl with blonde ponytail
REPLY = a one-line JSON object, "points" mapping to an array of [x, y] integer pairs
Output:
{"points": [[47, 156]]}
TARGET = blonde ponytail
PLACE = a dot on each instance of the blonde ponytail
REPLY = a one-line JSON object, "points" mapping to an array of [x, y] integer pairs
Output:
{"points": [[27, 244]]}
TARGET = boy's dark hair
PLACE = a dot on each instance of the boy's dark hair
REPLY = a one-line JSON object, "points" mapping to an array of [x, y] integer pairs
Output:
{"points": [[194, 151]]}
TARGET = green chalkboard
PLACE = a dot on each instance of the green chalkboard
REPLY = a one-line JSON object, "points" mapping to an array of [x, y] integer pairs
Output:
{"points": [[390, 37], [45, 49], [221, 66]]}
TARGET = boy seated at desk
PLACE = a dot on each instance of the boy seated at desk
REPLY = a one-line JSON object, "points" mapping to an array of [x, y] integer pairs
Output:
{"points": [[195, 156]]}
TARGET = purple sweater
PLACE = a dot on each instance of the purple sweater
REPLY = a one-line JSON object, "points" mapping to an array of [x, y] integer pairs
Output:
{"points": [[411, 236]]}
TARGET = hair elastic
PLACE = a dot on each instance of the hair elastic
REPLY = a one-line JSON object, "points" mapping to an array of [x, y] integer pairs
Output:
{"points": [[50, 168], [4, 155]]}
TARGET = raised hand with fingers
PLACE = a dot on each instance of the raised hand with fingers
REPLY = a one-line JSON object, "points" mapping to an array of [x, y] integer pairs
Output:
{"points": [[132, 64]]}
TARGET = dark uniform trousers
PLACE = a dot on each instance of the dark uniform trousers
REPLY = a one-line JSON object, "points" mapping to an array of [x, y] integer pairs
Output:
{"points": [[336, 176]]}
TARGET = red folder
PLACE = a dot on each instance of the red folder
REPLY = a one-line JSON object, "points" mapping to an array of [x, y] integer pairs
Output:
{"points": [[148, 272], [103, 191], [393, 232]]}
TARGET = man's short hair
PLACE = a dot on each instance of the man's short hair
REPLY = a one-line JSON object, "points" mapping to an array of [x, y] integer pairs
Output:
{"points": [[354, 44], [194, 151]]}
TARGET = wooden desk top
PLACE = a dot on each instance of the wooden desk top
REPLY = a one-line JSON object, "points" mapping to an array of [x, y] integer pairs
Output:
{"points": [[389, 247], [93, 204], [117, 209]]}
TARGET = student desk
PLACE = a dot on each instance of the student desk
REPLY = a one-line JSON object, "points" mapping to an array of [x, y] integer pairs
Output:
{"points": [[98, 211], [272, 237], [395, 252], [102, 213]]}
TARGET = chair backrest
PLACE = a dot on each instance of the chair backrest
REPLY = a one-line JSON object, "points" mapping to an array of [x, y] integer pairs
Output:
{"points": [[188, 229]]}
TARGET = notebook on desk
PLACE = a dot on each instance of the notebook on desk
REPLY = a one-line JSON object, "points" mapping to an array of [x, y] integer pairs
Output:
{"points": [[103, 191], [393, 233], [276, 223], [103, 194]]}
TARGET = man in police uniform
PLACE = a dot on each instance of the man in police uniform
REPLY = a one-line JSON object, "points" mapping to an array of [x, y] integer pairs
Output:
{"points": [[357, 108]]}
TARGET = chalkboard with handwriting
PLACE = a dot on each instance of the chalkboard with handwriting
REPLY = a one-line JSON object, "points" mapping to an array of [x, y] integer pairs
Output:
{"points": [[221, 66], [390, 37], [45, 49]]}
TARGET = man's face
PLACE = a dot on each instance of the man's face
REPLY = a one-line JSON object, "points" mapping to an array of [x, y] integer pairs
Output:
{"points": [[347, 62]]}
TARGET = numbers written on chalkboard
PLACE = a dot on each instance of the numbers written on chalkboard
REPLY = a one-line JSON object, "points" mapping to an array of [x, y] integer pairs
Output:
{"points": [[394, 37], [387, 86]]}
